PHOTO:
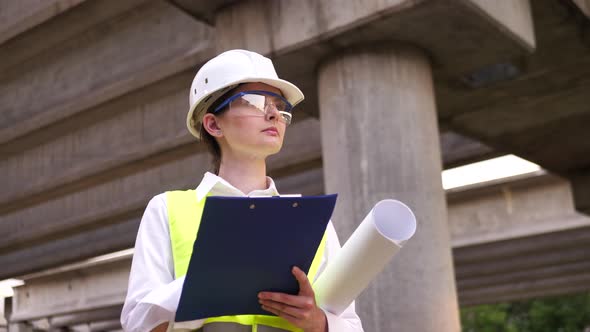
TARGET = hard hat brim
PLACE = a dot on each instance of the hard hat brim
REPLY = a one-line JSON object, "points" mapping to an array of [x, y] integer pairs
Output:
{"points": [[289, 90]]}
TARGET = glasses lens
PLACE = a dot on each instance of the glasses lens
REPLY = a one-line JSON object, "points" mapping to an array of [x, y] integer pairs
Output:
{"points": [[279, 103], [253, 101], [285, 117], [263, 103]]}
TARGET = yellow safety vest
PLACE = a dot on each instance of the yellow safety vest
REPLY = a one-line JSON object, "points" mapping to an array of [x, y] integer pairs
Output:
{"points": [[184, 217]]}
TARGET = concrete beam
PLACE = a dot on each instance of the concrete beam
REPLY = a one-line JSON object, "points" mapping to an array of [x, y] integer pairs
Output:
{"points": [[107, 325], [538, 293], [103, 203], [40, 324], [76, 68], [148, 121], [330, 17], [86, 289], [553, 241], [524, 229], [20, 327], [19, 16], [55, 31], [526, 105], [203, 10], [458, 150], [532, 288], [544, 272], [510, 17], [70, 248], [581, 191], [534, 204], [584, 6], [526, 119], [523, 262], [328, 26], [109, 313], [79, 328]]}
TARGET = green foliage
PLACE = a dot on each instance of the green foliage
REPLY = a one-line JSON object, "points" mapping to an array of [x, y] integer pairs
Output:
{"points": [[557, 314]]}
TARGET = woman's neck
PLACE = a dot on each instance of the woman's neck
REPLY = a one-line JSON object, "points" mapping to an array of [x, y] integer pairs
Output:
{"points": [[246, 174]]}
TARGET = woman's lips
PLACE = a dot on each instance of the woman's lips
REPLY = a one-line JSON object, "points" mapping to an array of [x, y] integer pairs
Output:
{"points": [[271, 131]]}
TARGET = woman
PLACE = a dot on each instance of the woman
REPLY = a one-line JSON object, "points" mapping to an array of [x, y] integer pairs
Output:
{"points": [[240, 109]]}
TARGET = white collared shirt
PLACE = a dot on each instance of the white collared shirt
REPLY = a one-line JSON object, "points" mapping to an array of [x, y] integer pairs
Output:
{"points": [[153, 294]]}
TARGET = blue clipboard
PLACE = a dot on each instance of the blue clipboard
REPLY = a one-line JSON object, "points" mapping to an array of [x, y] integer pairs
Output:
{"points": [[246, 245]]}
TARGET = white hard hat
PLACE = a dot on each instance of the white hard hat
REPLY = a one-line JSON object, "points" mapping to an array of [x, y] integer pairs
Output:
{"points": [[223, 73]]}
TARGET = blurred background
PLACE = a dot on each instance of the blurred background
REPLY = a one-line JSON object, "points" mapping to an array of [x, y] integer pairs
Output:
{"points": [[476, 113]]}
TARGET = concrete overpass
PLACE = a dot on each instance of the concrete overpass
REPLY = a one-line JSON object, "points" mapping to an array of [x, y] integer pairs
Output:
{"points": [[93, 96]]}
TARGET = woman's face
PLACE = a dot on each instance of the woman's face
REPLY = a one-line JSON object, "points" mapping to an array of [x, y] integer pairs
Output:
{"points": [[251, 132]]}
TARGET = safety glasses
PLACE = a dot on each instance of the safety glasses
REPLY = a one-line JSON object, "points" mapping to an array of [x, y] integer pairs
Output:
{"points": [[260, 101]]}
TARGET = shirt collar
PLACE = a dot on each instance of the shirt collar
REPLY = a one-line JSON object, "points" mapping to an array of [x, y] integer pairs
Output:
{"points": [[216, 186]]}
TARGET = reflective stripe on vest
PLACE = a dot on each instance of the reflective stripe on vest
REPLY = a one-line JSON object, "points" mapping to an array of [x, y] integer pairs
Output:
{"points": [[226, 327], [184, 218]]}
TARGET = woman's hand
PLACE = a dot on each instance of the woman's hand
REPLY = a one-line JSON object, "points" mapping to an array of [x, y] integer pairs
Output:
{"points": [[300, 310], [161, 328]]}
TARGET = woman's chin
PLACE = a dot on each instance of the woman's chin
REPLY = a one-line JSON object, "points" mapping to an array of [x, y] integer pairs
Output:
{"points": [[270, 147], [270, 140]]}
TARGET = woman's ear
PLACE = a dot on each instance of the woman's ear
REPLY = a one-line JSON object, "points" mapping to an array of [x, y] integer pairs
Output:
{"points": [[211, 125]]}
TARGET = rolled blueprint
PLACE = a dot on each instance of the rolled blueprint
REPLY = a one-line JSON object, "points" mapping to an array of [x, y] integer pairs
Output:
{"points": [[368, 250]]}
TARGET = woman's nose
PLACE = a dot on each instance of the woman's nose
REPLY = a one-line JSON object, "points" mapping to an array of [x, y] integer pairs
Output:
{"points": [[271, 113]]}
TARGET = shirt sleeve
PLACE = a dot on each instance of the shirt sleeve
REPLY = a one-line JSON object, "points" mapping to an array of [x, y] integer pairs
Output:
{"points": [[152, 294], [348, 321]]}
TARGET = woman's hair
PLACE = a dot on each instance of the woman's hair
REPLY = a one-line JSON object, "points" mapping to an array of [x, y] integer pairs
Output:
{"points": [[207, 139]]}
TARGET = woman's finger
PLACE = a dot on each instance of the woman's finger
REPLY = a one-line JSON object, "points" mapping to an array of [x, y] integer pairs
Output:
{"points": [[293, 311], [304, 285], [291, 319], [302, 302]]}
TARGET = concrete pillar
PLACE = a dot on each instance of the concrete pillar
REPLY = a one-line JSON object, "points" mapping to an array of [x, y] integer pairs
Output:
{"points": [[19, 327], [380, 140]]}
